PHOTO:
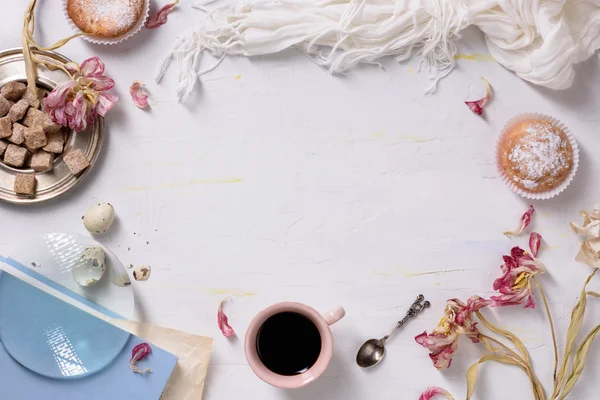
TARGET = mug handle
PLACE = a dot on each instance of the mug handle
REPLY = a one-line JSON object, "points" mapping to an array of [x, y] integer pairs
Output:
{"points": [[333, 316]]}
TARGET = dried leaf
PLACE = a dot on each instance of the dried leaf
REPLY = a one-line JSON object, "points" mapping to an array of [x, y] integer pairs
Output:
{"points": [[473, 369], [140, 98], [594, 294], [222, 321], [477, 105], [523, 222], [574, 327], [516, 341], [433, 391], [160, 18], [579, 361]]}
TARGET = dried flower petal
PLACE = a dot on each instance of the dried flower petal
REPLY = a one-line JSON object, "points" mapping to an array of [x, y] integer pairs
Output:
{"points": [[515, 284], [535, 240], [92, 67], [222, 321], [477, 105], [138, 353], [140, 98], [77, 102], [523, 223], [442, 342], [160, 18], [435, 391], [589, 253]]}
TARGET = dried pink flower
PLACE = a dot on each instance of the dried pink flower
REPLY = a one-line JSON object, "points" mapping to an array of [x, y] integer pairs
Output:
{"points": [[457, 320], [160, 18], [523, 222], [140, 98], [515, 284], [477, 105], [138, 353], [222, 321], [77, 102], [433, 391]]}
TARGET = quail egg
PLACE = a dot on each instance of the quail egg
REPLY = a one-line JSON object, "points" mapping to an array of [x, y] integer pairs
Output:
{"points": [[90, 266], [142, 273], [99, 217]]}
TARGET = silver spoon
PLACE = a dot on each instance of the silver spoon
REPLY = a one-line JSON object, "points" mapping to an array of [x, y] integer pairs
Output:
{"points": [[373, 350]]}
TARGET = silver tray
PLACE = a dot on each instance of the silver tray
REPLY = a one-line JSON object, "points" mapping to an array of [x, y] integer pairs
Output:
{"points": [[59, 180]]}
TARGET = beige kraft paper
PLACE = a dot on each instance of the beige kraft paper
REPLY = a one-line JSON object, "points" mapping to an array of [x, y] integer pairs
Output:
{"points": [[187, 380]]}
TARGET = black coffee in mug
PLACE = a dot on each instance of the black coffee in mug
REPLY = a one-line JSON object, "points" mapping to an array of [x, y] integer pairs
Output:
{"points": [[288, 343]]}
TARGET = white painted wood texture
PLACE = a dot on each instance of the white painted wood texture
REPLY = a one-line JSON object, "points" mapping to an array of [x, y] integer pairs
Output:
{"points": [[277, 181]]}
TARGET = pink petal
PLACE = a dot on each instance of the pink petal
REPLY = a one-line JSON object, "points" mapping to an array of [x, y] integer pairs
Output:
{"points": [[160, 18], [535, 240], [137, 94], [523, 223], [98, 83], [58, 96], [92, 67], [222, 322], [477, 105], [138, 353], [443, 359], [435, 391], [104, 102], [73, 67], [530, 301], [79, 118]]}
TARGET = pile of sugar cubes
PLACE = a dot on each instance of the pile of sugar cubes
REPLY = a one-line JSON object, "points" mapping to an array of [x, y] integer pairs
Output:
{"points": [[29, 138]]}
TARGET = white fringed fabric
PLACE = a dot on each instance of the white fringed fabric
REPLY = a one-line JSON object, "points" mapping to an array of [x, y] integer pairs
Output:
{"points": [[540, 40]]}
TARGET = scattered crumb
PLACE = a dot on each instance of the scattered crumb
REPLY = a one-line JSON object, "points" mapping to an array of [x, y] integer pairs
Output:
{"points": [[147, 242]]}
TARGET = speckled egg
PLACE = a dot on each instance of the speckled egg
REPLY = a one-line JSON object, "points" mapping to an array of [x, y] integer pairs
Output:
{"points": [[90, 266], [142, 273], [98, 218]]}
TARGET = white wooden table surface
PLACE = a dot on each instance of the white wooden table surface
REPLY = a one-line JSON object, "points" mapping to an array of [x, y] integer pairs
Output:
{"points": [[277, 181]]}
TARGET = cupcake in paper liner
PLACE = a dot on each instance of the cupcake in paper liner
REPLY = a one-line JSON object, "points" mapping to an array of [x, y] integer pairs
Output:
{"points": [[536, 156], [106, 21]]}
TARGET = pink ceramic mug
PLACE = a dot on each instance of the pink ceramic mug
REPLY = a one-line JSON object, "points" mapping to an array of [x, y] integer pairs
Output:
{"points": [[321, 321]]}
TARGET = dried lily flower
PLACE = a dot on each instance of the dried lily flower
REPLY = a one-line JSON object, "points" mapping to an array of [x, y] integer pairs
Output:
{"points": [[477, 105], [140, 98], [77, 102], [160, 18], [138, 353], [523, 223], [433, 391], [222, 321], [457, 320], [519, 268], [589, 253]]}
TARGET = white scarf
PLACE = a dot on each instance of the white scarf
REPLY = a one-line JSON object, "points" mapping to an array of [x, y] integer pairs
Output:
{"points": [[540, 40]]}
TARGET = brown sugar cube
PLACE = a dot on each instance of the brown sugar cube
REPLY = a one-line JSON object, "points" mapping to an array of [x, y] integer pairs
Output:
{"points": [[49, 126], [3, 146], [15, 156], [41, 161], [13, 90], [25, 184], [56, 141], [35, 101], [35, 137], [18, 133], [33, 117], [76, 161], [5, 106], [18, 110], [5, 127]]}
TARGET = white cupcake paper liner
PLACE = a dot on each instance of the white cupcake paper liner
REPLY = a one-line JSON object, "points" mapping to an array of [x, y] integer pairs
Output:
{"points": [[109, 41], [508, 182]]}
